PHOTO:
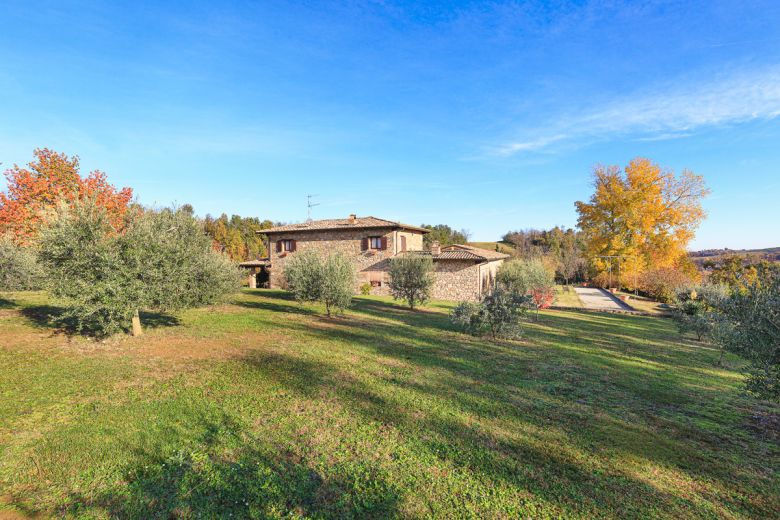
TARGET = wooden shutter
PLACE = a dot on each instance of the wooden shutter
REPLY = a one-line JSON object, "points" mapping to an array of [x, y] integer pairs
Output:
{"points": [[278, 246], [364, 244], [293, 245], [383, 243]]}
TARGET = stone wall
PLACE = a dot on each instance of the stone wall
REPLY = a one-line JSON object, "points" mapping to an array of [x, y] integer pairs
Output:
{"points": [[369, 264], [456, 280]]}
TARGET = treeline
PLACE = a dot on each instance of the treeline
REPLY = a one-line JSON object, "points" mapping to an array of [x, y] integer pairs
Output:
{"points": [[444, 235], [238, 236], [559, 248]]}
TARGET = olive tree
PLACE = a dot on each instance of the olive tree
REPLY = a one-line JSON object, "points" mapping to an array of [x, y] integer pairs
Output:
{"points": [[329, 280], [754, 316], [528, 277], [499, 313], [19, 268], [699, 310], [338, 284], [303, 273], [411, 278], [163, 261]]}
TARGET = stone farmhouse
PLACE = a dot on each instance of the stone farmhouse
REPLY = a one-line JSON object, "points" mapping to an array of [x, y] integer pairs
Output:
{"points": [[462, 272]]}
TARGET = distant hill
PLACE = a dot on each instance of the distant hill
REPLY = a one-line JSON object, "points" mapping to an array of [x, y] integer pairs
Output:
{"points": [[771, 253], [501, 247]]}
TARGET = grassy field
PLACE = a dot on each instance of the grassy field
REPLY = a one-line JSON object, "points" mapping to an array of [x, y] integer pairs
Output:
{"points": [[644, 304], [262, 408], [566, 297], [501, 247]]}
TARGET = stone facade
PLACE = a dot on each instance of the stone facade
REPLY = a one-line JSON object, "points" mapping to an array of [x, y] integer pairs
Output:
{"points": [[456, 280], [370, 263], [460, 275]]}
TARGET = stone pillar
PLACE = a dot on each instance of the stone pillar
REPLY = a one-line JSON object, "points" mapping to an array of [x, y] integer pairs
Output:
{"points": [[252, 279]]}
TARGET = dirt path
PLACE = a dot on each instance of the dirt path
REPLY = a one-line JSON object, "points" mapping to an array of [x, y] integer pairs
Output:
{"points": [[598, 299]]}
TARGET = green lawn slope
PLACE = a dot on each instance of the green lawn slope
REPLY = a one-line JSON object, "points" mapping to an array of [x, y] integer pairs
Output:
{"points": [[263, 408]]}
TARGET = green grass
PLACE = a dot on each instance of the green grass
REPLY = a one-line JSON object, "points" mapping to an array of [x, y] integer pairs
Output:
{"points": [[263, 408], [501, 247], [566, 296], [644, 304]]}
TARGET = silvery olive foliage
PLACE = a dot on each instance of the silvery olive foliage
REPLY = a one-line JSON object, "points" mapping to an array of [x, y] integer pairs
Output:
{"points": [[411, 278], [499, 314], [19, 268], [163, 261], [697, 310], [754, 334], [326, 279]]}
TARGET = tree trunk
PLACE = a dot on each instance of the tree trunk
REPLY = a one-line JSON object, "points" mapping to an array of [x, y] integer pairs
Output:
{"points": [[720, 359], [137, 330]]}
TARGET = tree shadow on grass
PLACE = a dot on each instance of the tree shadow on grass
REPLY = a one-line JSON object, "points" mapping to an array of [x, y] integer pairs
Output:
{"points": [[53, 317], [225, 472], [283, 301], [7, 304], [464, 366], [552, 474]]}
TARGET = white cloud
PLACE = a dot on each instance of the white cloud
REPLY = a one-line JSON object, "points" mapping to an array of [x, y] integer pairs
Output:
{"points": [[665, 113]]}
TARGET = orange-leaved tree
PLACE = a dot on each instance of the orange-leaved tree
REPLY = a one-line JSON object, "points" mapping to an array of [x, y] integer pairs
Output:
{"points": [[51, 177], [644, 215]]}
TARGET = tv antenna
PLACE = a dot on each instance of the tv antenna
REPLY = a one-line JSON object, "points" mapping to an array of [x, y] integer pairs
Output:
{"points": [[309, 205]]}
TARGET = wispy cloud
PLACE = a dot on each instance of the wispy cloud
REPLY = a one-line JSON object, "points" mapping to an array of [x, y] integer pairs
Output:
{"points": [[664, 113]]}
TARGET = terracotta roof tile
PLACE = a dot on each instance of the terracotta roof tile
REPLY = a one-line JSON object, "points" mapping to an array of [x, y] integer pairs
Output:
{"points": [[487, 254], [342, 223], [255, 263], [463, 252]]}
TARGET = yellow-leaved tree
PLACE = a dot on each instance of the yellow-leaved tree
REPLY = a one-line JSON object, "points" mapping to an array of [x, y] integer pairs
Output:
{"points": [[644, 217]]}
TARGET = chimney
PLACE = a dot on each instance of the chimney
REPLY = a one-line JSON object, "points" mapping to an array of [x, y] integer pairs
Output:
{"points": [[352, 218], [435, 248]]}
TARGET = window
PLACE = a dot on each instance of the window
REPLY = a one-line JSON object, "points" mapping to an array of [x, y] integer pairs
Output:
{"points": [[376, 283], [288, 245], [373, 243]]}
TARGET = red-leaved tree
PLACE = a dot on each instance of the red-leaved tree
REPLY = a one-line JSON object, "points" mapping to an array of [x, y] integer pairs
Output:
{"points": [[49, 178]]}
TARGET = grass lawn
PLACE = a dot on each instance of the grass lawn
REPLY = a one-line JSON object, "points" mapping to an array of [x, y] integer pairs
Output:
{"points": [[262, 408], [644, 304], [566, 296], [501, 247]]}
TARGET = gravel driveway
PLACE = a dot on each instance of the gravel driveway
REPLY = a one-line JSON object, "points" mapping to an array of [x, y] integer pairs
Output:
{"points": [[597, 299]]}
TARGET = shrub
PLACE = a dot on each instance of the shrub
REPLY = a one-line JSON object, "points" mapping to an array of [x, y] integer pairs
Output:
{"points": [[754, 318], [664, 284], [529, 277], [365, 289], [499, 313], [330, 280], [411, 278], [163, 261], [466, 316], [697, 310], [19, 268]]}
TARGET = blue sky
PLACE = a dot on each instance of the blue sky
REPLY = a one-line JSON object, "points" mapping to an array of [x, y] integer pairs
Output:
{"points": [[484, 116]]}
